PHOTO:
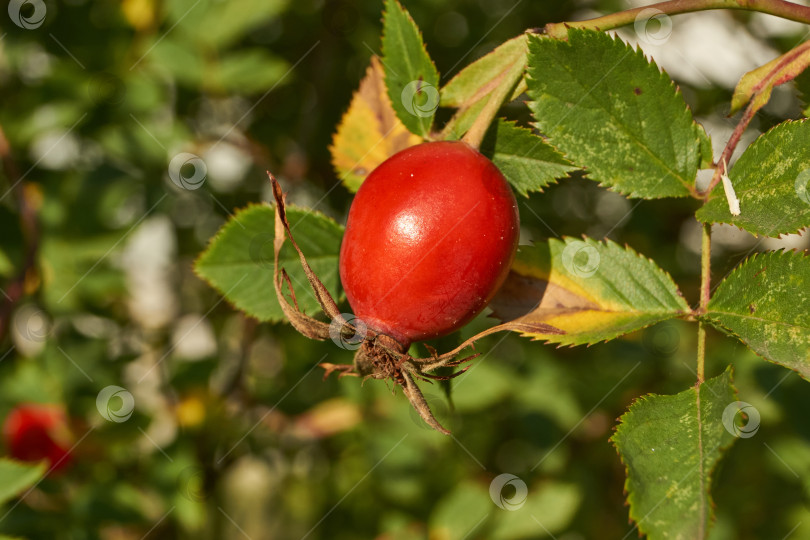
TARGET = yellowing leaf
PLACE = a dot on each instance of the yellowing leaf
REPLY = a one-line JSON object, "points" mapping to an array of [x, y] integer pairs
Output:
{"points": [[479, 79], [588, 291], [369, 132], [759, 83]]}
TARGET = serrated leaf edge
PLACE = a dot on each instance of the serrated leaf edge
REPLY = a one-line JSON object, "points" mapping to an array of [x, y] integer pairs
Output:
{"points": [[662, 74], [610, 244], [247, 208], [719, 194], [708, 474], [407, 14], [556, 150]]}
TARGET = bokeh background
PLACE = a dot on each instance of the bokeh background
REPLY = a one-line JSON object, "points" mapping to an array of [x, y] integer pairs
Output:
{"points": [[234, 433]]}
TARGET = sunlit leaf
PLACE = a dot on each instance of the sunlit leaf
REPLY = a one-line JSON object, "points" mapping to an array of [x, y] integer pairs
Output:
{"points": [[614, 113], [239, 260], [765, 302], [410, 76], [670, 446], [369, 132], [476, 80], [590, 290], [772, 181]]}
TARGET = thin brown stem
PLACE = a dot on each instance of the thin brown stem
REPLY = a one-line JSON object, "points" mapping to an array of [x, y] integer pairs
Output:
{"points": [[705, 266], [779, 8], [705, 292], [731, 145], [765, 85]]}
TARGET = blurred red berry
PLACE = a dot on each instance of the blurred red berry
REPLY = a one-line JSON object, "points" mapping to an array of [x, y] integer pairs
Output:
{"points": [[35, 432]]}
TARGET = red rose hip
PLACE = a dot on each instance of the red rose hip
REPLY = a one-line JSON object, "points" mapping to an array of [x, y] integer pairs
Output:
{"points": [[34, 432], [429, 239]]}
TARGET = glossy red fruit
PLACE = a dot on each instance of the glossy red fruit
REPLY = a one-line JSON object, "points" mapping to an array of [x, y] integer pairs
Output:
{"points": [[429, 239], [34, 432]]}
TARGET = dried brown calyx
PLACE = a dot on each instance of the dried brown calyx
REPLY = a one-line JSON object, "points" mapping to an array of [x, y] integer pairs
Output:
{"points": [[380, 356]]}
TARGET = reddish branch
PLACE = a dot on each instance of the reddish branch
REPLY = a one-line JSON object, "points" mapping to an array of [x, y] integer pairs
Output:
{"points": [[773, 78]]}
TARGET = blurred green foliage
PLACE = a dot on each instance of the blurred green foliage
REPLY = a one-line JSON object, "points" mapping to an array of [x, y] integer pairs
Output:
{"points": [[234, 433]]}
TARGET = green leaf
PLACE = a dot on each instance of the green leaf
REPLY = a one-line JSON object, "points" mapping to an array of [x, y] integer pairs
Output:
{"points": [[526, 160], [16, 477], [590, 290], [455, 129], [474, 81], [772, 181], [670, 445], [239, 260], [410, 76], [611, 111], [765, 302]]}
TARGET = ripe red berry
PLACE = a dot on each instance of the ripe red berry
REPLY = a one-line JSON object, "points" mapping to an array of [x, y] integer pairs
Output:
{"points": [[34, 432], [430, 237]]}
